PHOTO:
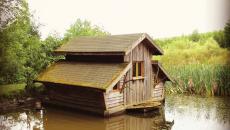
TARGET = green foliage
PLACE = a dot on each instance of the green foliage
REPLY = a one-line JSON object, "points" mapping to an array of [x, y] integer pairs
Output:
{"points": [[223, 37], [17, 41], [22, 54], [181, 50], [11, 89], [195, 37], [220, 38], [83, 28], [227, 35]]}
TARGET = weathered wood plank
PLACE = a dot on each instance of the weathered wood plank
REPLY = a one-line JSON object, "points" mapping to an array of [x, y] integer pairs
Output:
{"points": [[140, 89], [121, 101], [114, 94]]}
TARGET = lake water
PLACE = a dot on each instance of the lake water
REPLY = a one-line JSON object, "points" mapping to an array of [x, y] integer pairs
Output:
{"points": [[188, 113]]}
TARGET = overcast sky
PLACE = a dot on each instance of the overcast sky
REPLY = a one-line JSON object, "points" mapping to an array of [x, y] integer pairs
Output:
{"points": [[159, 18]]}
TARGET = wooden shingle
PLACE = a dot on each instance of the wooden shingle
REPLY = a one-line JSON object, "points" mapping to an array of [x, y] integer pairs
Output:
{"points": [[111, 44], [96, 75]]}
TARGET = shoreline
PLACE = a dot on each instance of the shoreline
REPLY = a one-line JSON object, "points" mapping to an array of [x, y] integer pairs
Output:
{"points": [[9, 105]]}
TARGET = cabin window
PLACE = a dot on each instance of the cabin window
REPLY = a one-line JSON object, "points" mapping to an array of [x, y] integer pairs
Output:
{"points": [[117, 87], [138, 69]]}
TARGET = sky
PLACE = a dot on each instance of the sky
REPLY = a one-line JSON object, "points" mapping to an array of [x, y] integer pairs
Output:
{"points": [[158, 18]]}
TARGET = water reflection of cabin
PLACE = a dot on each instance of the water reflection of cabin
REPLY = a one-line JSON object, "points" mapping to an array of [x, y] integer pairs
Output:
{"points": [[106, 74]]}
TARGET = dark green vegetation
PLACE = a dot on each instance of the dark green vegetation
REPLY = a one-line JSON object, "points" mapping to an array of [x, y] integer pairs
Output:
{"points": [[197, 63], [11, 90], [227, 35]]}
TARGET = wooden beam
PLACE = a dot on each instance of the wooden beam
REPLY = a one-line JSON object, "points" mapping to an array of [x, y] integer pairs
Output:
{"points": [[136, 63]]}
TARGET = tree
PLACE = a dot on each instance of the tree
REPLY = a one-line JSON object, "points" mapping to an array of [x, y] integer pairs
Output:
{"points": [[83, 28], [23, 54], [51, 43], [9, 9], [227, 35], [18, 43]]}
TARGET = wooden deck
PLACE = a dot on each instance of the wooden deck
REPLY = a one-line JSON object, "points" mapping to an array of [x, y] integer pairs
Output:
{"points": [[145, 106]]}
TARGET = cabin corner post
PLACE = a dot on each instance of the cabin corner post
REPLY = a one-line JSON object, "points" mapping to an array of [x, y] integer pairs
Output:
{"points": [[105, 100]]}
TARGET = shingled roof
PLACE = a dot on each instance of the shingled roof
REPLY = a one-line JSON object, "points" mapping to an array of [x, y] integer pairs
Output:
{"points": [[96, 75], [112, 44]]}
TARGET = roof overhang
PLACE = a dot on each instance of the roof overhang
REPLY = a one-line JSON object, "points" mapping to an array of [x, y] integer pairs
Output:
{"points": [[88, 53], [101, 76], [159, 67]]}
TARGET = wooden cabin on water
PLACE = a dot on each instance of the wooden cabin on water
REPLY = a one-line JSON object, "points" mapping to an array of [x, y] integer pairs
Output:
{"points": [[106, 74]]}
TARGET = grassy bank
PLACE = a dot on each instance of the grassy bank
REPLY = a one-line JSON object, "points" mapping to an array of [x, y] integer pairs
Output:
{"points": [[197, 63], [11, 90]]}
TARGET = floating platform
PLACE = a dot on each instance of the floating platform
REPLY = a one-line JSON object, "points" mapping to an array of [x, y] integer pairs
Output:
{"points": [[144, 107]]}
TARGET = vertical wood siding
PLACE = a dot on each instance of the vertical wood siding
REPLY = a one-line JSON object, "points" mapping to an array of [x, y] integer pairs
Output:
{"points": [[139, 90]]}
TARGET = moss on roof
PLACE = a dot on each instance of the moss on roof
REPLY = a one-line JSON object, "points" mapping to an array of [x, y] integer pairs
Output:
{"points": [[104, 44], [94, 75]]}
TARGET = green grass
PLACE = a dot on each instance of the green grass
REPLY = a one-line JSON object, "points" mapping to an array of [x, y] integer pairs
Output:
{"points": [[11, 89], [198, 58]]}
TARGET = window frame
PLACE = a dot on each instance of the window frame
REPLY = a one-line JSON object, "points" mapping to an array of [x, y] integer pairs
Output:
{"points": [[138, 70]]}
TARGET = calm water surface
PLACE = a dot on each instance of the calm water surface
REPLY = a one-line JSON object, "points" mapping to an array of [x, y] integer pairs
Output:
{"points": [[188, 113]]}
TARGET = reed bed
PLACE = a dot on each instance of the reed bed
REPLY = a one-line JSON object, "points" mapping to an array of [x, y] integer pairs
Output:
{"points": [[203, 79]]}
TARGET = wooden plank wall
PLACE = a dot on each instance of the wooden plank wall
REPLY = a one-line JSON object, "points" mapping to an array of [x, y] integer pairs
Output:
{"points": [[158, 92], [77, 97], [139, 90], [114, 99]]}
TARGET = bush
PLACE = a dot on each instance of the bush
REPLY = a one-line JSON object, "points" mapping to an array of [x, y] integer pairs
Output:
{"points": [[219, 37], [195, 37], [227, 35]]}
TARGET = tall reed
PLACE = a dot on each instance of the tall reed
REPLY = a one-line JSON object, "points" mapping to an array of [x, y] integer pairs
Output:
{"points": [[202, 79]]}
